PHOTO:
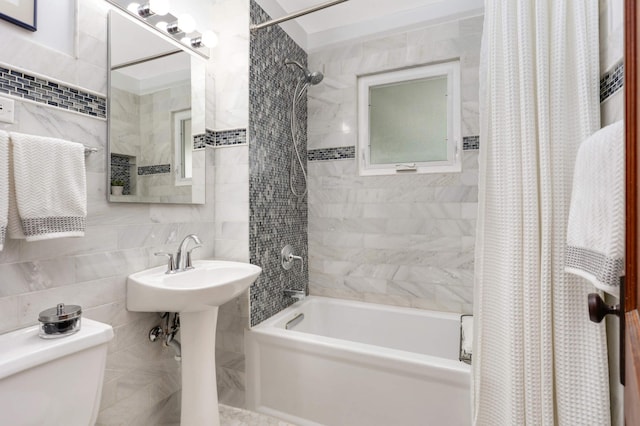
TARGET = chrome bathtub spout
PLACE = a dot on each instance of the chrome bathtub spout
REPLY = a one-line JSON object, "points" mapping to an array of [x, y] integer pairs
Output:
{"points": [[296, 294]]}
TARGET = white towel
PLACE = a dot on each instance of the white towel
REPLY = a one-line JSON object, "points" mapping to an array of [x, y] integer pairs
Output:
{"points": [[14, 227], [596, 228], [50, 186], [4, 185]]}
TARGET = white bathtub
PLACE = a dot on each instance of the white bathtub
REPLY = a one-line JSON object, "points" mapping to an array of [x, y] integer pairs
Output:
{"points": [[351, 363]]}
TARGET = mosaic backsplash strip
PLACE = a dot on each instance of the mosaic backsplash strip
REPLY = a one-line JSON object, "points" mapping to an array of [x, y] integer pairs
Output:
{"points": [[340, 153], [611, 81], [276, 218], [154, 170], [230, 137], [199, 141], [225, 137], [470, 143], [27, 86]]}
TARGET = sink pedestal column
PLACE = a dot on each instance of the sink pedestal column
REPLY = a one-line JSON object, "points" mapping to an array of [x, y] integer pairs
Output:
{"points": [[199, 390]]}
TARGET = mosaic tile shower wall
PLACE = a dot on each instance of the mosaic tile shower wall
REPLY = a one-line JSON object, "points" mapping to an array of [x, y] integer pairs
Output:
{"points": [[276, 218]]}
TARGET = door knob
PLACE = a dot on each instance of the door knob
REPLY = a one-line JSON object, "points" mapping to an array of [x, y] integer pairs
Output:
{"points": [[598, 309]]}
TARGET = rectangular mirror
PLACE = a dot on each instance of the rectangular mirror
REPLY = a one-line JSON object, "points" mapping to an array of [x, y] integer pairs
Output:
{"points": [[156, 117]]}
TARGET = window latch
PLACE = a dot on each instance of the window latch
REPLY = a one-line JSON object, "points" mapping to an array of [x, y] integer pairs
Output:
{"points": [[405, 167]]}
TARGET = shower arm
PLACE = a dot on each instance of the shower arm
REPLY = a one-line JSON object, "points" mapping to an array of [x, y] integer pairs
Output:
{"points": [[296, 14]]}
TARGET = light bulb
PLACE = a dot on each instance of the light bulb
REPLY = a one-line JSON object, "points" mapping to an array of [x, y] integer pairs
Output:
{"points": [[186, 40], [133, 7], [162, 25], [209, 38], [159, 7], [186, 23]]}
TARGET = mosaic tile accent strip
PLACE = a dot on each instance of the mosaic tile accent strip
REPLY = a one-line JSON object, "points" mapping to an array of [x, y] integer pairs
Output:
{"points": [[276, 217], [470, 143], [199, 141], [121, 170], [231, 137], [225, 137], [324, 154], [612, 81], [210, 138], [27, 86], [154, 170]]}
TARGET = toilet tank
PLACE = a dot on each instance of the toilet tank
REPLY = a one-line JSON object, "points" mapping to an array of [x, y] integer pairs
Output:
{"points": [[52, 381]]}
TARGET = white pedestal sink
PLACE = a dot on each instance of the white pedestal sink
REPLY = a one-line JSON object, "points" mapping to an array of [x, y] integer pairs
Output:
{"points": [[196, 295]]}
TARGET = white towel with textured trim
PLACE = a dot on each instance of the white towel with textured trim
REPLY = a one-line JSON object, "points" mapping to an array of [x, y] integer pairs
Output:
{"points": [[14, 227], [4, 185], [50, 186], [596, 227]]}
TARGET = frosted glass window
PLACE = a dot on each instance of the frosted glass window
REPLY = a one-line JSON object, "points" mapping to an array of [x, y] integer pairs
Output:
{"points": [[409, 120]]}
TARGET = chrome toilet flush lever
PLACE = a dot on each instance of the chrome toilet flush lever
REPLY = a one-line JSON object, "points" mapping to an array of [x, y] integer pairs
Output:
{"points": [[287, 257]]}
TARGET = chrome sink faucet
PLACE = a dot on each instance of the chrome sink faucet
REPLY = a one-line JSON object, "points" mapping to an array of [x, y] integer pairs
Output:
{"points": [[183, 257], [182, 260]]}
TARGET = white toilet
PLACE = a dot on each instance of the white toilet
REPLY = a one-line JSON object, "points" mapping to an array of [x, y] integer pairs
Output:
{"points": [[52, 381]]}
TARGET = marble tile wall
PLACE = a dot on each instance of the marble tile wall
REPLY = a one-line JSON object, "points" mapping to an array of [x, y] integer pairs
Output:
{"points": [[277, 217], [401, 240], [124, 110], [232, 243], [230, 62], [124, 113], [156, 124], [142, 380], [229, 67]]}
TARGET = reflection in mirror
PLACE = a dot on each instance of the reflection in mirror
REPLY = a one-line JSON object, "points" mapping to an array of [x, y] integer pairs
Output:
{"points": [[156, 115]]}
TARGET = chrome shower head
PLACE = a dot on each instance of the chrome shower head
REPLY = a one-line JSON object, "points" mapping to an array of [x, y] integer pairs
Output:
{"points": [[312, 78]]}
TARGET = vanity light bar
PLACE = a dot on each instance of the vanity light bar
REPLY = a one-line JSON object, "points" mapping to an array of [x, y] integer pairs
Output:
{"points": [[145, 13]]}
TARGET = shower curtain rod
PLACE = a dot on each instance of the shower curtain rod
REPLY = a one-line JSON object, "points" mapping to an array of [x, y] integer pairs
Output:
{"points": [[296, 14]]}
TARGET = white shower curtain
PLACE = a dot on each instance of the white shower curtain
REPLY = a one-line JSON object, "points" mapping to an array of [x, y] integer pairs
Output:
{"points": [[538, 360]]}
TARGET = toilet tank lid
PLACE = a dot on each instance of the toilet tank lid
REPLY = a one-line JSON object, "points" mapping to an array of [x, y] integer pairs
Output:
{"points": [[23, 349]]}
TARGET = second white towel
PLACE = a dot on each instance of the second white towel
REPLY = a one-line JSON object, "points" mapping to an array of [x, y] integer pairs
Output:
{"points": [[50, 186], [596, 231]]}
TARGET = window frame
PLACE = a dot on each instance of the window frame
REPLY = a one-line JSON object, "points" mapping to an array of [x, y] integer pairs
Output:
{"points": [[179, 117], [453, 163]]}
